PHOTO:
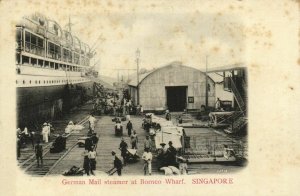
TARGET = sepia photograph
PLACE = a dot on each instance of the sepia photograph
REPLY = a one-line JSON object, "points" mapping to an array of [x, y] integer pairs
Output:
{"points": [[142, 119], [149, 97]]}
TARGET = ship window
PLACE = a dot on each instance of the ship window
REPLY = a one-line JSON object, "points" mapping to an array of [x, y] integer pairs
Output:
{"points": [[33, 61], [40, 63], [34, 44], [36, 82], [29, 81], [16, 81], [39, 81], [23, 81], [51, 65], [33, 40], [54, 51], [46, 63], [44, 82], [67, 55], [25, 60]]}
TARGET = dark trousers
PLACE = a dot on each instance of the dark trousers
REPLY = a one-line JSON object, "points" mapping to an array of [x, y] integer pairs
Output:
{"points": [[39, 157], [119, 171], [129, 132], [133, 145]]}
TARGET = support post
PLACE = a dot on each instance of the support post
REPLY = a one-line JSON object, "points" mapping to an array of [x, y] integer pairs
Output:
{"points": [[206, 83]]}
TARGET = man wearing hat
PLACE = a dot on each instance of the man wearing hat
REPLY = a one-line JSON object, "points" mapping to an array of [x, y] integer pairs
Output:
{"points": [[163, 155], [171, 154], [164, 148]]}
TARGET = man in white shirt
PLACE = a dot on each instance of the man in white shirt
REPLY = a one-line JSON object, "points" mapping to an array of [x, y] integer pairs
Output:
{"points": [[147, 157], [45, 133], [92, 158], [92, 121]]}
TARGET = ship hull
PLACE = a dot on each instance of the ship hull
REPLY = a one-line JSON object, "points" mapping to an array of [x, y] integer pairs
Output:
{"points": [[45, 103]]}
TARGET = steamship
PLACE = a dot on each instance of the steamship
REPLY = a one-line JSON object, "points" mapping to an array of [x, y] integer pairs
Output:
{"points": [[52, 68]]}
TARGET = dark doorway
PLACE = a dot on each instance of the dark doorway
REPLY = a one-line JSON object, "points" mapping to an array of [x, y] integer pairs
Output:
{"points": [[176, 98]]}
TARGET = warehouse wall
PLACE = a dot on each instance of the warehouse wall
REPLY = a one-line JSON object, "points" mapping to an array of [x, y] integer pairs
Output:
{"points": [[153, 92]]}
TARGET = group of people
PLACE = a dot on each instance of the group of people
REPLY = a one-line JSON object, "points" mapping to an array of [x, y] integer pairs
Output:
{"points": [[24, 137], [167, 156]]}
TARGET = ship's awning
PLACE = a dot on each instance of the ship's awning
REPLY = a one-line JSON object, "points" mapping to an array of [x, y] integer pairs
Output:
{"points": [[225, 68]]}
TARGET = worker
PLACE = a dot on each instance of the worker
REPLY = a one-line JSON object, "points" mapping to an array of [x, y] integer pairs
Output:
{"points": [[147, 157], [45, 132], [218, 104], [134, 140], [92, 121], [148, 143], [168, 115], [129, 128], [118, 127], [86, 162], [171, 154], [95, 140], [117, 165], [39, 153], [92, 158], [123, 148]]}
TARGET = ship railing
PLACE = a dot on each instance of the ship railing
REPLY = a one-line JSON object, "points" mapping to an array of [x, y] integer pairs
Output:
{"points": [[54, 55]]}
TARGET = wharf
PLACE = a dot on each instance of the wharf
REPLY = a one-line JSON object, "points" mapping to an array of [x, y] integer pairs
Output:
{"points": [[109, 142]]}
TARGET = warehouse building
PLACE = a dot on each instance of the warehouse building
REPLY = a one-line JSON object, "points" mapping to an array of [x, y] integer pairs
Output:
{"points": [[175, 87]]}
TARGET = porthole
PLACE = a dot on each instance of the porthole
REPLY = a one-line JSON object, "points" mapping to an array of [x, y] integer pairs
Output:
{"points": [[23, 81], [39, 81]]}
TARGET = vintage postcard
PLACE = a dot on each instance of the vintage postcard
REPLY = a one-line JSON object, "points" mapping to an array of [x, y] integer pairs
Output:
{"points": [[150, 97]]}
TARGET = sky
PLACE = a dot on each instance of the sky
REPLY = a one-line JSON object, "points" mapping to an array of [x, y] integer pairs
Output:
{"points": [[223, 32], [163, 34]]}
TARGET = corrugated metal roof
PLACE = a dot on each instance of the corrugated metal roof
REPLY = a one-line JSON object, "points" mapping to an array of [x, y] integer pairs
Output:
{"points": [[215, 77]]}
